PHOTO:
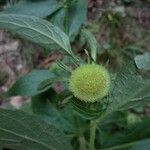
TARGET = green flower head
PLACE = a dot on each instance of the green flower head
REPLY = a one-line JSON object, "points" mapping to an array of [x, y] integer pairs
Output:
{"points": [[89, 82]]}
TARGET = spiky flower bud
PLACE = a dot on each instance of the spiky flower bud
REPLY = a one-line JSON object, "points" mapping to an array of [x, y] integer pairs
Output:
{"points": [[89, 82]]}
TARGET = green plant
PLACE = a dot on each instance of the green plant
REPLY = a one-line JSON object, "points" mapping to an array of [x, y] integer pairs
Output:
{"points": [[68, 15], [65, 121]]}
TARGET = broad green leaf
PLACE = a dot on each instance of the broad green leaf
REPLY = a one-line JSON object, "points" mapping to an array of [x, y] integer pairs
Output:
{"points": [[141, 99], [127, 137], [58, 18], [143, 61], [89, 38], [38, 8], [77, 16], [26, 108], [137, 131], [128, 88], [28, 84], [137, 102], [142, 145], [19, 130], [36, 30], [41, 105], [71, 18]]}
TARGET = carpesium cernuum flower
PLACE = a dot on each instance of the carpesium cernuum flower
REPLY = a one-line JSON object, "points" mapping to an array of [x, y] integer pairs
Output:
{"points": [[89, 82]]}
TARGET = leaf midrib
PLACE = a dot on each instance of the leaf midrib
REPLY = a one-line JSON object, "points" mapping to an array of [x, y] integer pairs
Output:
{"points": [[129, 98], [28, 138], [12, 23]]}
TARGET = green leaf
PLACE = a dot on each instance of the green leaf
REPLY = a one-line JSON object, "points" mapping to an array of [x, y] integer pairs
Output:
{"points": [[26, 108], [125, 138], [28, 85], [142, 145], [37, 8], [36, 30], [143, 61], [91, 41], [48, 112], [71, 17], [19, 130], [58, 18], [117, 117], [77, 16], [137, 131], [87, 110], [141, 99], [137, 102], [59, 71], [128, 88]]}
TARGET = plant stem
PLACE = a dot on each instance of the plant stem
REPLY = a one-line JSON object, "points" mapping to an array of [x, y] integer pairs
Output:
{"points": [[93, 125], [82, 143], [66, 21]]}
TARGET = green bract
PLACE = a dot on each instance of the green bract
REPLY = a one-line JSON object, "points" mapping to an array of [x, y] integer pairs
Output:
{"points": [[89, 82]]}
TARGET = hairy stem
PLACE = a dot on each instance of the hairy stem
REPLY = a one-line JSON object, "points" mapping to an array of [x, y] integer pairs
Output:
{"points": [[93, 125]]}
